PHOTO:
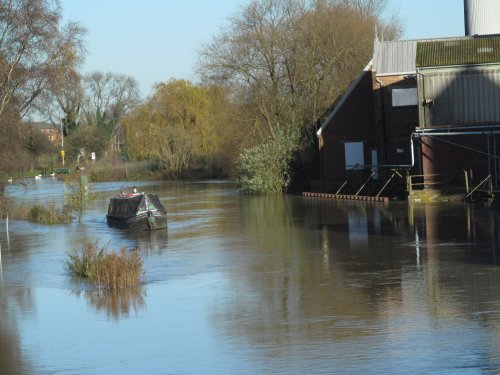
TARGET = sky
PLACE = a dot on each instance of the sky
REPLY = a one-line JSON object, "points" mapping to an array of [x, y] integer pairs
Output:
{"points": [[157, 40]]}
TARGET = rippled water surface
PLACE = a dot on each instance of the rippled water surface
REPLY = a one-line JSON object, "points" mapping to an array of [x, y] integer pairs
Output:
{"points": [[256, 285]]}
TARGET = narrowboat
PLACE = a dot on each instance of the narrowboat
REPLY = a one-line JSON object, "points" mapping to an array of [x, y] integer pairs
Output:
{"points": [[136, 211]]}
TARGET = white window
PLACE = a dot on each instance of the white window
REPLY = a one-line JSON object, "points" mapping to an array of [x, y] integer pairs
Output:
{"points": [[354, 155], [404, 97]]}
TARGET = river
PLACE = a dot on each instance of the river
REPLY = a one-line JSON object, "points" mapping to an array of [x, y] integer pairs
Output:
{"points": [[256, 285]]}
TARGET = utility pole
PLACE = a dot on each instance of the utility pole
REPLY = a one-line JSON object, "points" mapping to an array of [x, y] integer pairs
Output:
{"points": [[62, 143]]}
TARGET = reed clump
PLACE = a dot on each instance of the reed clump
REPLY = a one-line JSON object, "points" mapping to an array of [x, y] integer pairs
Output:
{"points": [[107, 269]]}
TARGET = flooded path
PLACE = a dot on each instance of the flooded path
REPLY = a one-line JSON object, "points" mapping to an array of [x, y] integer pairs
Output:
{"points": [[257, 285]]}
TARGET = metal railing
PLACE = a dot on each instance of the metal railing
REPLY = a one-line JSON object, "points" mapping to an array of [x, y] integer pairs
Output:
{"points": [[425, 181]]}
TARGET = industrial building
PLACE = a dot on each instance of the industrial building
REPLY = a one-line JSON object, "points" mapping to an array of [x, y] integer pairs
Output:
{"points": [[423, 115]]}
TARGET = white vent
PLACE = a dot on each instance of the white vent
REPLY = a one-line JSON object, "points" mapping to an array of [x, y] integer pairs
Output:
{"points": [[484, 50]]}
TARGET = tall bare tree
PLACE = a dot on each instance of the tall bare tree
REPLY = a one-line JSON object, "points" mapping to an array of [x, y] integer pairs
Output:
{"points": [[291, 58], [33, 48], [62, 102], [109, 97]]}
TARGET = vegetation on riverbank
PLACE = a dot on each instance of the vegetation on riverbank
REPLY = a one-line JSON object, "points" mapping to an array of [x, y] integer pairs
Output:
{"points": [[106, 269], [266, 79]]}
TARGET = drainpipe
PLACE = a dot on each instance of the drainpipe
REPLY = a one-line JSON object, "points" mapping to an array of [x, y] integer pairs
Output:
{"points": [[381, 85]]}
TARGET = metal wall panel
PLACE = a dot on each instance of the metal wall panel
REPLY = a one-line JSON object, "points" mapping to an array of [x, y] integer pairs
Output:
{"points": [[461, 96], [394, 57], [482, 17]]}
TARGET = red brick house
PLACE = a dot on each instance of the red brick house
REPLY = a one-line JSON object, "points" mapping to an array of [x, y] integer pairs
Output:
{"points": [[368, 132], [52, 133]]}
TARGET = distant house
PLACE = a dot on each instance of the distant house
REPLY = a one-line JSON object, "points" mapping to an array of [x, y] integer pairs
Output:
{"points": [[52, 132]]}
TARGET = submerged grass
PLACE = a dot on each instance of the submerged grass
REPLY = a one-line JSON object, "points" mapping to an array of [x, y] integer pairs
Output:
{"points": [[49, 214], [107, 269], [46, 214]]}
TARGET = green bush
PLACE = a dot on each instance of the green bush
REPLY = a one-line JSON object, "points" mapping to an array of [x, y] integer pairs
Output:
{"points": [[267, 167]]}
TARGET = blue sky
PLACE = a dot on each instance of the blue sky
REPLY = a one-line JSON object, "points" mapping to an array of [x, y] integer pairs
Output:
{"points": [[155, 40]]}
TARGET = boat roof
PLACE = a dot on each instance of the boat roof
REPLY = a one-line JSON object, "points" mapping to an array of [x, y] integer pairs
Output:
{"points": [[126, 204]]}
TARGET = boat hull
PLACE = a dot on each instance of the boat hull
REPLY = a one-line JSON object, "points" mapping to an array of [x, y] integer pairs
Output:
{"points": [[139, 222]]}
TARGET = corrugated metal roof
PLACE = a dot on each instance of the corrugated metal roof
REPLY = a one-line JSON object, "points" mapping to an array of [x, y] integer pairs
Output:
{"points": [[458, 52], [394, 57]]}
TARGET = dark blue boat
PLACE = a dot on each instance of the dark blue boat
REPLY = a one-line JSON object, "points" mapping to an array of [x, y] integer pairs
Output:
{"points": [[136, 211]]}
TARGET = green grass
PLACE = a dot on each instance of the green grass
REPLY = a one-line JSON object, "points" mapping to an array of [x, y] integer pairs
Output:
{"points": [[106, 269]]}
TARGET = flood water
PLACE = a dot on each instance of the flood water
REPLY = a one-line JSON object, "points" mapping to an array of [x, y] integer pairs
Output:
{"points": [[257, 285]]}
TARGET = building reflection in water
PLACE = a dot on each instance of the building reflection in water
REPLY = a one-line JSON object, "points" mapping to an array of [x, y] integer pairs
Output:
{"points": [[371, 269]]}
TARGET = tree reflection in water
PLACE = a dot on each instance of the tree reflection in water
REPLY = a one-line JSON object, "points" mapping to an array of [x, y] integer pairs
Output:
{"points": [[12, 360]]}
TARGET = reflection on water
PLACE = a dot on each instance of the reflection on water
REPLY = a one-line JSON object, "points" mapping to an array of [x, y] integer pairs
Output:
{"points": [[11, 359], [146, 240], [115, 303], [261, 284]]}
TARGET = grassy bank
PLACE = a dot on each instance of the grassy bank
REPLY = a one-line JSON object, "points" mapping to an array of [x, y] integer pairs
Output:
{"points": [[118, 170], [115, 169]]}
